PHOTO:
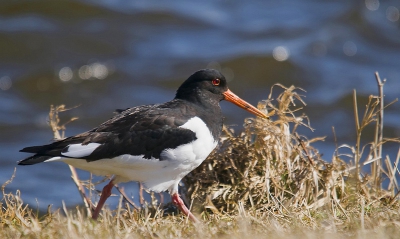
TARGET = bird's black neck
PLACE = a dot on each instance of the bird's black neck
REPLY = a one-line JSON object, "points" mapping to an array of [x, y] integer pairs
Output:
{"points": [[206, 106], [199, 97]]}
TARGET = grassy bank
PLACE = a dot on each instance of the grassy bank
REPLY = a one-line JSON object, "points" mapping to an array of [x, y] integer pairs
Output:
{"points": [[265, 182]]}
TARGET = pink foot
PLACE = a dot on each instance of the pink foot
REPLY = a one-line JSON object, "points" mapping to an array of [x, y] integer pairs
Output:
{"points": [[181, 205]]}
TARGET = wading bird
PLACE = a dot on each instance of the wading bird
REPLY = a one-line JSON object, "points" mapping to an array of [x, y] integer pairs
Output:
{"points": [[154, 144]]}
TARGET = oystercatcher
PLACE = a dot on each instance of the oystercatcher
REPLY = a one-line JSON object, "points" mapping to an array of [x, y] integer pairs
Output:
{"points": [[154, 144]]}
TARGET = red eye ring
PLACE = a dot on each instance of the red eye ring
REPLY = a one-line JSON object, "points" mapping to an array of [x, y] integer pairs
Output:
{"points": [[216, 81]]}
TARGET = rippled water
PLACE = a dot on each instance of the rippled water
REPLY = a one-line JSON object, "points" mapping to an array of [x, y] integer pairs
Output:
{"points": [[104, 55]]}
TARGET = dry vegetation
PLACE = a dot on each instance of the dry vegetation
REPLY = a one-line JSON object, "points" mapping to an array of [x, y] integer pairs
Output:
{"points": [[266, 182]]}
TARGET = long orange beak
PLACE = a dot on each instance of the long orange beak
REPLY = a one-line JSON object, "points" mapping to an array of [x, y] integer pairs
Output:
{"points": [[231, 97]]}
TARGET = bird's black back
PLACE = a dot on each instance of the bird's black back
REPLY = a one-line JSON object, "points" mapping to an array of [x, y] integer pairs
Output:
{"points": [[143, 130]]}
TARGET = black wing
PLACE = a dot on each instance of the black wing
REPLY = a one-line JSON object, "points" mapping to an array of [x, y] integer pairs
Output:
{"points": [[143, 130]]}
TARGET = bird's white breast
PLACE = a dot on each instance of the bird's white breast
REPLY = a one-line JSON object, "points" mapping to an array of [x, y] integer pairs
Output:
{"points": [[198, 149]]}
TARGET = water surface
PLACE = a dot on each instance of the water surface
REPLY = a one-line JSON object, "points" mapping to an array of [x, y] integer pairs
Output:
{"points": [[104, 55]]}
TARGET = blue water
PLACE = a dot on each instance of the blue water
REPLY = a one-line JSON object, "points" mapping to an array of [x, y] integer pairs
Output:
{"points": [[104, 55]]}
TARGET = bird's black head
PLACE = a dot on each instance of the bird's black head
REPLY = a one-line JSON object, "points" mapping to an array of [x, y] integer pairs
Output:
{"points": [[204, 84], [208, 87]]}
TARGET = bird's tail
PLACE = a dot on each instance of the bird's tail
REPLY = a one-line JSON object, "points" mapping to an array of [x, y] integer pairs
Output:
{"points": [[48, 151], [33, 149], [39, 156], [34, 159]]}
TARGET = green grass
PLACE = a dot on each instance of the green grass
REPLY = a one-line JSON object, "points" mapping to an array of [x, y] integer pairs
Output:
{"points": [[264, 182]]}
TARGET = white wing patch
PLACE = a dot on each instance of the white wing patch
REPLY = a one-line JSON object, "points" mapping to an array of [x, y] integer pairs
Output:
{"points": [[79, 150]]}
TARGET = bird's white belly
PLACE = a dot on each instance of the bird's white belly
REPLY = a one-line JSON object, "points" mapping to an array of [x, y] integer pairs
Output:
{"points": [[157, 175]]}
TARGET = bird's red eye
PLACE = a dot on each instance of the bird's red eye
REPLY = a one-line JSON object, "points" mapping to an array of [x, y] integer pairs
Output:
{"points": [[216, 81]]}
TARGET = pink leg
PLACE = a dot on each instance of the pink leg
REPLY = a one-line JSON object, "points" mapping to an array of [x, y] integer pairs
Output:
{"points": [[181, 205], [104, 195]]}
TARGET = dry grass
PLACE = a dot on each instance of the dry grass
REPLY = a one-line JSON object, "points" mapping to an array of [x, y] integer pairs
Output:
{"points": [[264, 182]]}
